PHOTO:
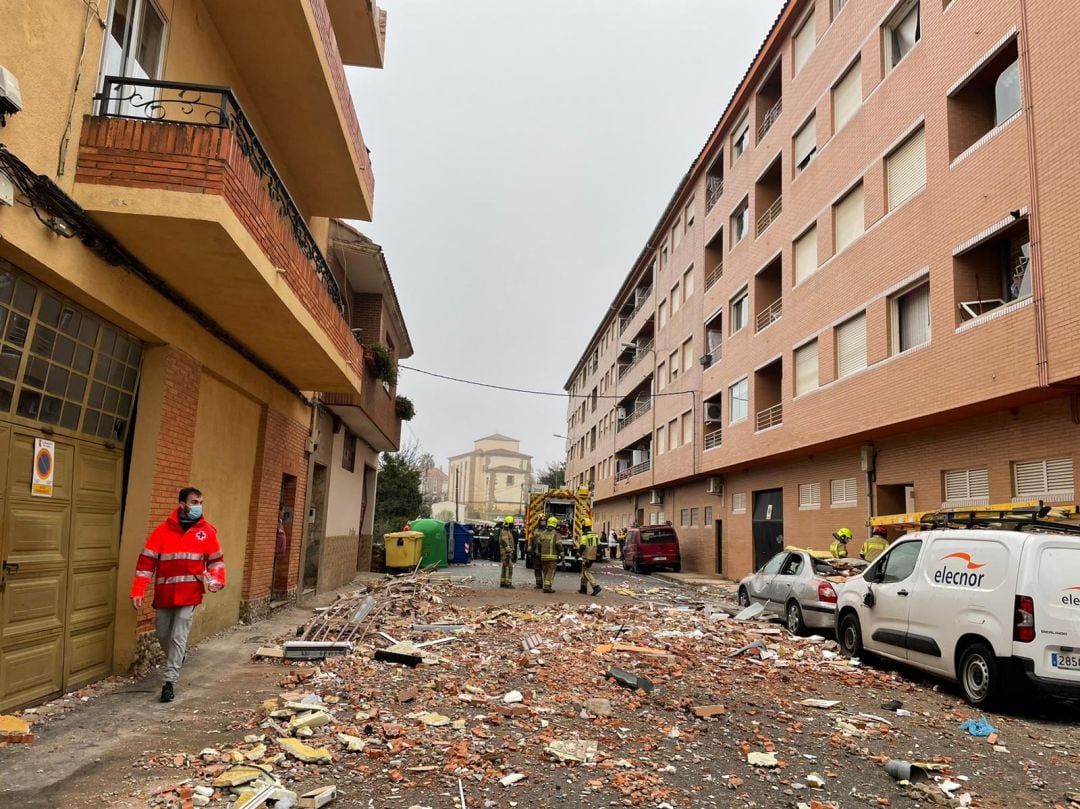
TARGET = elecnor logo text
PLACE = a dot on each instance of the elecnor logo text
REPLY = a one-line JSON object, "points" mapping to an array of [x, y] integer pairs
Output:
{"points": [[960, 578], [1071, 597]]}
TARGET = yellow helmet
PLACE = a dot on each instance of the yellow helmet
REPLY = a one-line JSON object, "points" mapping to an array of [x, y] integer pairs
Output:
{"points": [[844, 535], [509, 520], [588, 523], [552, 522]]}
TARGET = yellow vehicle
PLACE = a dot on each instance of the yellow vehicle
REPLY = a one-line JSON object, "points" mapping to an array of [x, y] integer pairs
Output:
{"points": [[571, 508]]}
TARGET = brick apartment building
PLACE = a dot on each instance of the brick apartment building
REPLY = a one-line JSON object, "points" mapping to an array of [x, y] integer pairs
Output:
{"points": [[862, 298], [169, 313]]}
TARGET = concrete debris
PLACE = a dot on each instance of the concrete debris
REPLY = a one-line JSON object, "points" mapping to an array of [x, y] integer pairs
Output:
{"points": [[756, 759], [512, 779], [299, 750], [317, 798], [598, 706], [581, 750]]}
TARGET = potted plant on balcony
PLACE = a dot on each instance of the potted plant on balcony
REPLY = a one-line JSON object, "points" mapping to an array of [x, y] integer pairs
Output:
{"points": [[381, 362], [404, 408]]}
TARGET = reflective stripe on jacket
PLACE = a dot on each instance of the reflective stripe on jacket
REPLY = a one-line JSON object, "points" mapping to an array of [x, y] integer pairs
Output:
{"points": [[589, 544], [506, 541], [177, 562], [547, 543], [838, 549], [873, 548]]}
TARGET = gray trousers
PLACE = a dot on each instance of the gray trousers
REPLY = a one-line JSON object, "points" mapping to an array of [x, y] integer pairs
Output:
{"points": [[173, 626]]}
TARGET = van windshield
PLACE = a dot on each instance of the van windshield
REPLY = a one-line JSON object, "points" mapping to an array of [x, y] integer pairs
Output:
{"points": [[657, 535]]}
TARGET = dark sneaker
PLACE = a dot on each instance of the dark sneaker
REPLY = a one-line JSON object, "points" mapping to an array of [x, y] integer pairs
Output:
{"points": [[167, 694], [546, 590], [539, 586], [509, 587], [582, 590], [596, 590]]}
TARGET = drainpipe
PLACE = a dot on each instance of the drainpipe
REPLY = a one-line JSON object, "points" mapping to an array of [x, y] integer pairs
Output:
{"points": [[1038, 290], [869, 466]]}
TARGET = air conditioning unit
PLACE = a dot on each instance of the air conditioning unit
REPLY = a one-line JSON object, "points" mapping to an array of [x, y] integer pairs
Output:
{"points": [[10, 95], [713, 413], [620, 413], [715, 486], [706, 360], [656, 497]]}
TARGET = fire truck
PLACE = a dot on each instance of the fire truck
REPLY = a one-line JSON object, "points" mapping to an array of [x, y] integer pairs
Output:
{"points": [[571, 508]]}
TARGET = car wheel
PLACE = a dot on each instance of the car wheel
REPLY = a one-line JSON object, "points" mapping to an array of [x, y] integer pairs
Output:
{"points": [[744, 598], [794, 621], [636, 566], [980, 675], [624, 565], [850, 636], [677, 567]]}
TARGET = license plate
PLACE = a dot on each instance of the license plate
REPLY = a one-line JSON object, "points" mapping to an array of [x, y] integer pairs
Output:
{"points": [[1069, 662], [659, 558]]}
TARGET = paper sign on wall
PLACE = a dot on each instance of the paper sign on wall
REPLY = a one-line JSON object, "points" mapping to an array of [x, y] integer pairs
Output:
{"points": [[42, 480]]}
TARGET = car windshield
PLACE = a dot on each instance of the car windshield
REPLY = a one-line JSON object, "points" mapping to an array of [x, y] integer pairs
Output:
{"points": [[657, 535]]}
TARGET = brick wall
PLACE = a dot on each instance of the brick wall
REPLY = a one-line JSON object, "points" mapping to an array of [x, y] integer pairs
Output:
{"points": [[282, 451], [367, 311], [208, 160], [176, 444]]}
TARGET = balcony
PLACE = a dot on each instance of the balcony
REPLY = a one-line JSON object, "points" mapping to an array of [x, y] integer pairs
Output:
{"points": [[770, 314], [714, 439], [637, 469], [178, 174], [770, 417], [769, 119], [715, 274], [641, 298], [640, 410], [290, 67], [714, 189], [641, 352], [370, 414], [360, 26], [770, 214]]}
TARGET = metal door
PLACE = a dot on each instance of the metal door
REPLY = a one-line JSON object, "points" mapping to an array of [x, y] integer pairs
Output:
{"points": [[57, 604], [768, 525], [720, 547]]}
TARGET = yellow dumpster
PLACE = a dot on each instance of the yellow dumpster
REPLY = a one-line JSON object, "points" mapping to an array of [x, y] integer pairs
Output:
{"points": [[403, 550]]}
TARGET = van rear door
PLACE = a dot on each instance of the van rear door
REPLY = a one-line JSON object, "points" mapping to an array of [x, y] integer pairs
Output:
{"points": [[1056, 595]]}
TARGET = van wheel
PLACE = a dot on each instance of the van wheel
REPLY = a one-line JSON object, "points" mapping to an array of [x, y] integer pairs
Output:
{"points": [[636, 566], [980, 675], [850, 636], [744, 598], [794, 622]]}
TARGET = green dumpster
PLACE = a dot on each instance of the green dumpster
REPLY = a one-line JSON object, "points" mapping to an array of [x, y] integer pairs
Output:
{"points": [[434, 532]]}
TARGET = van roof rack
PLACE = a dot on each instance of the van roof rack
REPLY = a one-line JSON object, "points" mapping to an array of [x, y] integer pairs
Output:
{"points": [[1061, 518]]}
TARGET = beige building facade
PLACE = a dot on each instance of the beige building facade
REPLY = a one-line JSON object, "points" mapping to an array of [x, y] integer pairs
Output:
{"points": [[492, 481], [861, 299], [171, 308]]}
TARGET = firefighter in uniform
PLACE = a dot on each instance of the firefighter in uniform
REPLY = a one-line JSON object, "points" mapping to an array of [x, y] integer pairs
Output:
{"points": [[873, 547], [547, 553], [589, 543], [841, 538], [506, 552], [534, 552]]}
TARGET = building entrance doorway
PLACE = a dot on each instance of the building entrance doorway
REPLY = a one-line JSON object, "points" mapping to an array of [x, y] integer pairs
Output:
{"points": [[768, 525]]}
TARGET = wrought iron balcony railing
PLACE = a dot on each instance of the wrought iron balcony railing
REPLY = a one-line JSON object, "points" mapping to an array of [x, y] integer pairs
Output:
{"points": [[639, 354], [770, 314], [634, 415], [770, 215], [770, 118], [638, 469], [714, 189], [715, 274], [770, 417], [713, 439], [215, 107]]}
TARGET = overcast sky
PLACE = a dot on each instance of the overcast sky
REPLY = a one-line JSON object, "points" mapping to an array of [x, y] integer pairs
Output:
{"points": [[523, 151]]}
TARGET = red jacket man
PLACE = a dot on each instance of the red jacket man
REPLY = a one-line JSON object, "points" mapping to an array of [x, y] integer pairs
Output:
{"points": [[183, 559]]}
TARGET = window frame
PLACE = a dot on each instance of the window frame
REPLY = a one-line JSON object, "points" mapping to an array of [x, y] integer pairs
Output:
{"points": [[740, 297], [739, 214], [854, 68], [845, 484], [899, 16], [838, 210], [840, 373], [745, 382], [896, 330], [739, 133], [810, 496], [816, 344]]}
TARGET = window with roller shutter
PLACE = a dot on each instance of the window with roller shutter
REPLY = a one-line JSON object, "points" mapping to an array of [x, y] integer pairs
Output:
{"points": [[804, 42], [804, 144], [843, 493], [809, 496], [910, 312], [847, 96], [806, 255], [906, 169], [850, 218], [1050, 479], [851, 346], [967, 487], [806, 368]]}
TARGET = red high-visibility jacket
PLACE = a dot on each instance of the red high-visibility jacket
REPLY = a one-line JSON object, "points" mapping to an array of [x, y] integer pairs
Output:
{"points": [[177, 561]]}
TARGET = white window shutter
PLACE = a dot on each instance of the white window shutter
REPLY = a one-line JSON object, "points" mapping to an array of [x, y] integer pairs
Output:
{"points": [[850, 218], [850, 492], [907, 169], [836, 494], [805, 40], [979, 483], [1030, 479], [806, 255], [805, 141], [847, 96], [956, 486], [851, 346], [806, 368], [1059, 475]]}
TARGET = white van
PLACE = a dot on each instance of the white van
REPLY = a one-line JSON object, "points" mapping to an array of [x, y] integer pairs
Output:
{"points": [[977, 605]]}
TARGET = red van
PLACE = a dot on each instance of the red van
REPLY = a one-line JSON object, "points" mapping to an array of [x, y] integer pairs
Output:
{"points": [[651, 546]]}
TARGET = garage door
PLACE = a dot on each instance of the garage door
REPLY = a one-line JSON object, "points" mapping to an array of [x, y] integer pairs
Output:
{"points": [[68, 377]]}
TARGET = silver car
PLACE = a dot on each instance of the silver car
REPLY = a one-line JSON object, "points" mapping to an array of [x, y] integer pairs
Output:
{"points": [[795, 585]]}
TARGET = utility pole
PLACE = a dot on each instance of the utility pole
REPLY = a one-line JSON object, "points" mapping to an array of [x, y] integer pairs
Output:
{"points": [[457, 494]]}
